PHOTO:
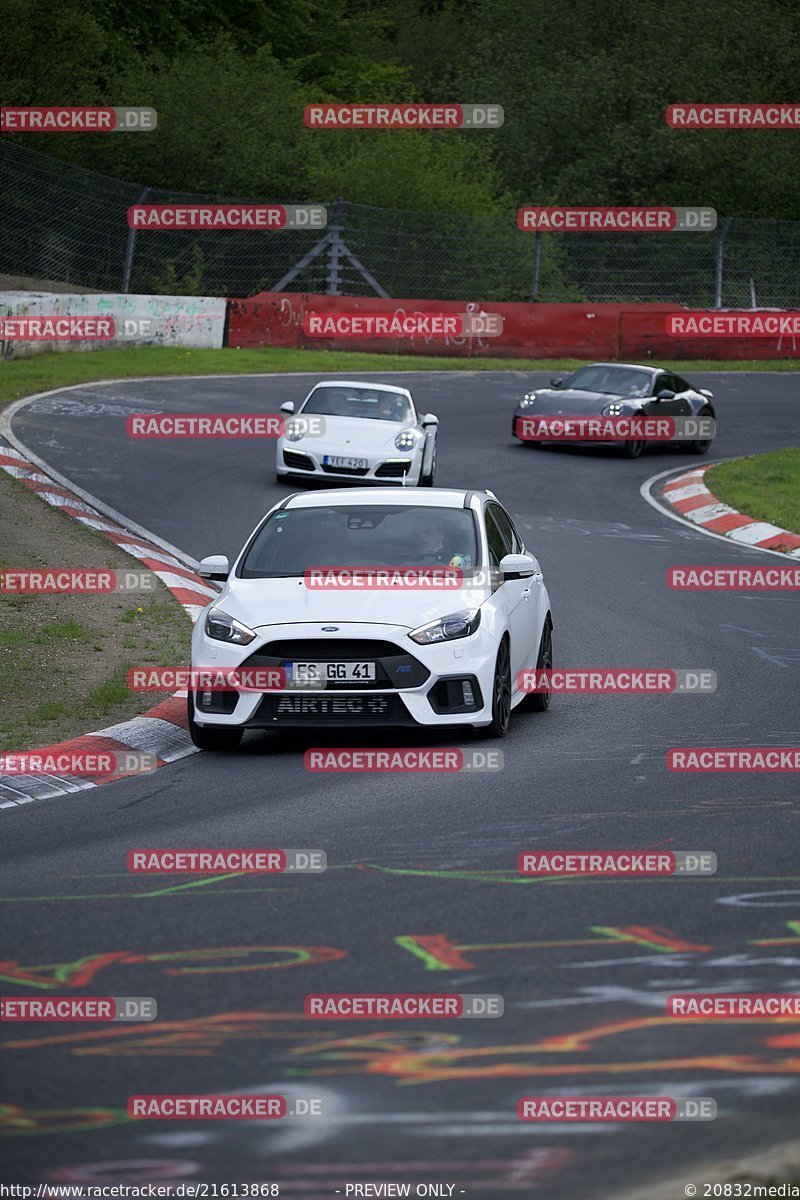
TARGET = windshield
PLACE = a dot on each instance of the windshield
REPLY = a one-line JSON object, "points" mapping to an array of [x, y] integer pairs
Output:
{"points": [[360, 402], [293, 541], [615, 381]]}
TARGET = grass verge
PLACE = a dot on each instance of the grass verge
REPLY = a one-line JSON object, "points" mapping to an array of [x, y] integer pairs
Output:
{"points": [[23, 376], [764, 486], [63, 659]]}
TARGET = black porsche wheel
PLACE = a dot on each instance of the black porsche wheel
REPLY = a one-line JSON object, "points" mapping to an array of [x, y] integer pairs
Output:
{"points": [[701, 445], [426, 480]]}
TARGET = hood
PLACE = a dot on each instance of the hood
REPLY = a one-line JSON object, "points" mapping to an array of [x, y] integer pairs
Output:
{"points": [[572, 401], [351, 433], [264, 602]]}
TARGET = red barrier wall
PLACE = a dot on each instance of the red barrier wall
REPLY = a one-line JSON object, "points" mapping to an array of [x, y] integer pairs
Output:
{"points": [[590, 331]]}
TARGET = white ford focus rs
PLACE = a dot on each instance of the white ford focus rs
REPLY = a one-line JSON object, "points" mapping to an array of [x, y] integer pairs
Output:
{"points": [[451, 609], [358, 431]]}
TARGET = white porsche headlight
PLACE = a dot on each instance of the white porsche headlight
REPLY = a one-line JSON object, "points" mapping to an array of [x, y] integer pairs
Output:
{"points": [[295, 430], [527, 400], [406, 440], [223, 628]]}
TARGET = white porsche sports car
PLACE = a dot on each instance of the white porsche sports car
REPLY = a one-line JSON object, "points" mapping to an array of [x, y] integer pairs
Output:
{"points": [[377, 655], [369, 431]]}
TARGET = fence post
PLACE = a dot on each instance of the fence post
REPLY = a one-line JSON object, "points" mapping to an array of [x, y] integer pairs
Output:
{"points": [[335, 246], [537, 255], [126, 277], [726, 224]]}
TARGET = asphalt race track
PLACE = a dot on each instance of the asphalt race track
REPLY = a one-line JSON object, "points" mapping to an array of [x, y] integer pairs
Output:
{"points": [[584, 966]]}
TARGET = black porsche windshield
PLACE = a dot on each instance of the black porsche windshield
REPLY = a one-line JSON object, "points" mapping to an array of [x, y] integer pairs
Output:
{"points": [[293, 541], [371, 403], [613, 381]]}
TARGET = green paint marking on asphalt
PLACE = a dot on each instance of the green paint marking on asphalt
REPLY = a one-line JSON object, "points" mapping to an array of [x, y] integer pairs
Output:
{"points": [[431, 962], [191, 883], [618, 936]]}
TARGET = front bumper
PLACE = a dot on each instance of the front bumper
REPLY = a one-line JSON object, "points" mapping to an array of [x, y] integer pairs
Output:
{"points": [[414, 685], [304, 459]]}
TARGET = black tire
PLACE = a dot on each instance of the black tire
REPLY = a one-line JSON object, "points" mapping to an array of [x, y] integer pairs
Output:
{"points": [[427, 480], [501, 693], [208, 737], [633, 449], [540, 701], [701, 445]]}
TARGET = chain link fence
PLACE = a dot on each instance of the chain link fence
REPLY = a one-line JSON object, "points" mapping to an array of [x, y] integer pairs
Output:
{"points": [[63, 222]]}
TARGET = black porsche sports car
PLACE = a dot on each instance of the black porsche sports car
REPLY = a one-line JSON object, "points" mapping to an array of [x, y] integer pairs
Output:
{"points": [[618, 390]]}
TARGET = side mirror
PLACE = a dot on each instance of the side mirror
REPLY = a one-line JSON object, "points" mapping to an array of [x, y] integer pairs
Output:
{"points": [[288, 407], [518, 566], [705, 392], [665, 394], [556, 382], [428, 420], [216, 566]]}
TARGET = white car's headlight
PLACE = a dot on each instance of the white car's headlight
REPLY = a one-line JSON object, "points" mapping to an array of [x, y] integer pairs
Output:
{"points": [[447, 629], [406, 440], [527, 400], [295, 430], [616, 408], [222, 628]]}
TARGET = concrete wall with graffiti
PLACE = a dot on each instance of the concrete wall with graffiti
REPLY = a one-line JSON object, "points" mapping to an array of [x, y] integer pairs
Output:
{"points": [[108, 321]]}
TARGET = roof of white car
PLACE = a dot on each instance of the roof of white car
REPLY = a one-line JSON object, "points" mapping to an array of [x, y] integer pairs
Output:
{"points": [[362, 383], [422, 498], [637, 366]]}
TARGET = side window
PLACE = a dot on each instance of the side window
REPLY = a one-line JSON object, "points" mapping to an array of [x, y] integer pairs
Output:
{"points": [[662, 382], [680, 384], [507, 530], [498, 547]]}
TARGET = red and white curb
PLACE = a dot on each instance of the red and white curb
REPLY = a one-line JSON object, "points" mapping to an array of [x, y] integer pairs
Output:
{"points": [[689, 496], [163, 730]]}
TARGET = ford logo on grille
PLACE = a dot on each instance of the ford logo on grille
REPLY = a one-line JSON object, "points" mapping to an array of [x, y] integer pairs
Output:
{"points": [[330, 628]]}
